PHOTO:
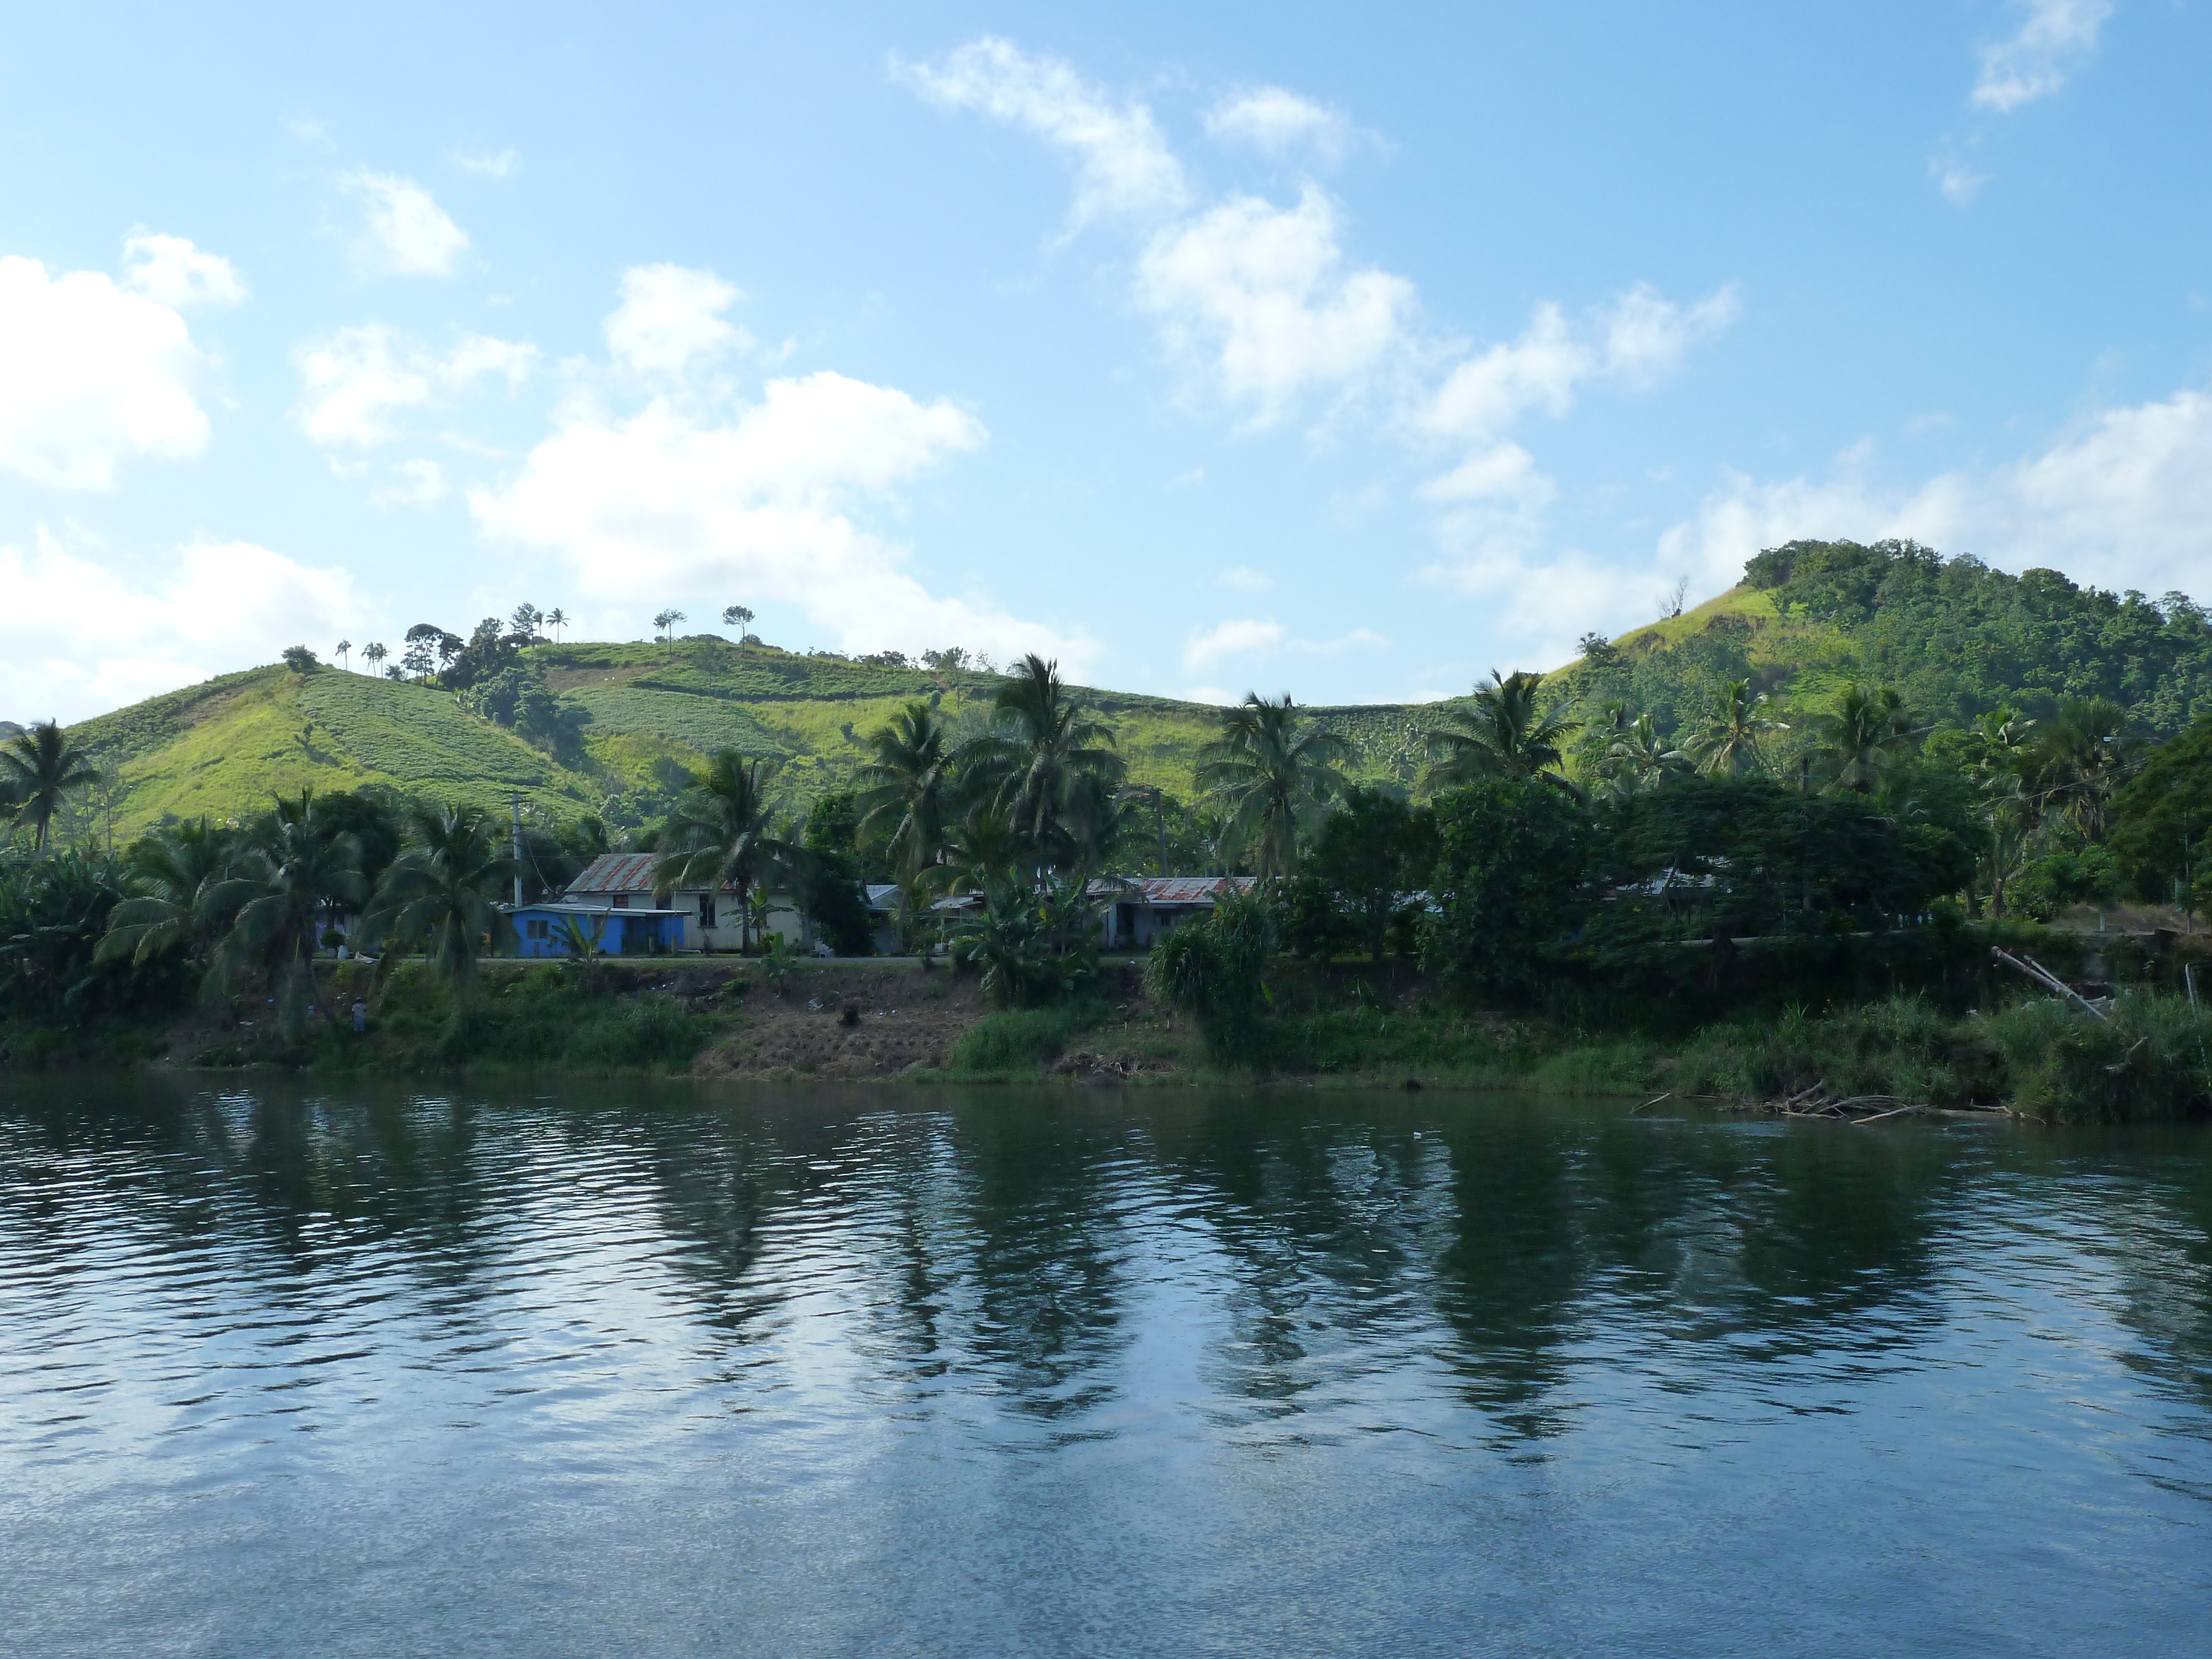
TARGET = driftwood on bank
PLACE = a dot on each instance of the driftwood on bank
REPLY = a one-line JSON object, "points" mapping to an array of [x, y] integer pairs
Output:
{"points": [[1816, 1102]]}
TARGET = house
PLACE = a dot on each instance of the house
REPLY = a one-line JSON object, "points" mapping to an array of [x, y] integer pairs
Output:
{"points": [[1134, 910], [886, 905], [623, 883], [1142, 907], [637, 930]]}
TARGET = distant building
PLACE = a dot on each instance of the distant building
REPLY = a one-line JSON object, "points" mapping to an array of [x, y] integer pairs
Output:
{"points": [[1143, 908], [633, 931], [623, 881]]}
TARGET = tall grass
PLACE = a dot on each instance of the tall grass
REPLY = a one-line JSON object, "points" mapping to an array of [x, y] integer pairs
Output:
{"points": [[2153, 1058]]}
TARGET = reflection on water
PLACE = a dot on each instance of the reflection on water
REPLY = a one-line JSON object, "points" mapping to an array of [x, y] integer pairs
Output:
{"points": [[610, 1368]]}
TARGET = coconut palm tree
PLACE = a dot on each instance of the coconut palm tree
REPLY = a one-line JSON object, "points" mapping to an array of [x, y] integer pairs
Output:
{"points": [[721, 834], [1043, 748], [344, 653], [1502, 733], [374, 654], [290, 869], [1860, 738], [38, 767], [177, 871], [442, 891], [2078, 758], [556, 619], [909, 785], [1729, 740], [1639, 760], [1272, 772]]}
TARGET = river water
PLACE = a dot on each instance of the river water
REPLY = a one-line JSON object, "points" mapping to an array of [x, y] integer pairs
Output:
{"points": [[611, 1368]]}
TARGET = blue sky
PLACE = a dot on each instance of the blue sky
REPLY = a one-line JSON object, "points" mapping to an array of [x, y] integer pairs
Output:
{"points": [[1346, 351]]}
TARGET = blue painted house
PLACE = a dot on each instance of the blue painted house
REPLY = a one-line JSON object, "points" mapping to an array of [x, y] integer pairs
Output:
{"points": [[629, 931]]}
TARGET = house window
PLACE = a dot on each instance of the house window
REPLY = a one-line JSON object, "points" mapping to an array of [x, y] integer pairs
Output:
{"points": [[706, 910], [621, 901], [540, 928]]}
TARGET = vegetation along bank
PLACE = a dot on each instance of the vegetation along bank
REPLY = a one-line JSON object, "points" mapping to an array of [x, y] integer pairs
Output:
{"points": [[1767, 849]]}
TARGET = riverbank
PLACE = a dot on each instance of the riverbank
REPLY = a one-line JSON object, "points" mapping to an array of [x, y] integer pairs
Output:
{"points": [[897, 1020]]}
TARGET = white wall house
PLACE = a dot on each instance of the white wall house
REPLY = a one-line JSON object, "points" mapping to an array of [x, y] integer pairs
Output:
{"points": [[623, 881]]}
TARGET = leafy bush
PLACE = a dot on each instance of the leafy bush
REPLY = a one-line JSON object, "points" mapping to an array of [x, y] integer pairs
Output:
{"points": [[1511, 857], [1016, 1040], [1215, 967], [1901, 1046], [2153, 1058]]}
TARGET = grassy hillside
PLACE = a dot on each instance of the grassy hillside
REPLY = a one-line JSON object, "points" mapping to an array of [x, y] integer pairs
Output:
{"points": [[225, 747], [1955, 636]]}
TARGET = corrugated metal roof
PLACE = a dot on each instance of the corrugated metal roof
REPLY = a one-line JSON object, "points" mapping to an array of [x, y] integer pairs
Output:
{"points": [[1173, 890], [616, 873]]}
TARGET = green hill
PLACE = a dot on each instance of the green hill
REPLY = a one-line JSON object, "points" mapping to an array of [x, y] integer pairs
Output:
{"points": [[226, 746], [1955, 636]]}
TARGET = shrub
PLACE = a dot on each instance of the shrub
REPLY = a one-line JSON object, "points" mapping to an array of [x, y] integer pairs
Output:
{"points": [[1215, 967], [2149, 1061], [1018, 1039]]}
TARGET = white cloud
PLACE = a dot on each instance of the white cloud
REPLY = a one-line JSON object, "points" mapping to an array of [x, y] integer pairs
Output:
{"points": [[489, 164], [758, 502], [1502, 473], [407, 234], [1123, 165], [1256, 299], [1279, 123], [1230, 639], [1243, 636], [1245, 580], [1647, 336], [170, 272], [417, 483], [2034, 62], [2123, 500], [670, 317], [90, 375], [354, 384], [78, 636], [1960, 183]]}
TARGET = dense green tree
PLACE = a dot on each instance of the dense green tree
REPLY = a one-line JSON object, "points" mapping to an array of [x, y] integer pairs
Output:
{"points": [[2080, 757], [1214, 967], [1728, 740], [40, 767], [1374, 854], [831, 886], [1503, 732], [906, 791], [1511, 856], [2162, 819], [173, 873], [1272, 774], [1860, 737]]}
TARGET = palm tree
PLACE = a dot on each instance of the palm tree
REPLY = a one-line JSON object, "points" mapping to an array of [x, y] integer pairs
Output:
{"points": [[1862, 737], [292, 868], [1501, 734], [1639, 760], [719, 836], [38, 766], [909, 785], [375, 653], [344, 653], [666, 622], [1270, 770], [2078, 758], [556, 619], [1730, 738], [177, 872], [442, 890], [1045, 747]]}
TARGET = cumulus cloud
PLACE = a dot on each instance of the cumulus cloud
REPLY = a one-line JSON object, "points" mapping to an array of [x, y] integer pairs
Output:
{"points": [[356, 385], [1256, 303], [2034, 62], [1123, 166], [1279, 123], [91, 374], [670, 318], [405, 233], [170, 272], [2125, 500], [700, 495], [79, 636], [1245, 580]]}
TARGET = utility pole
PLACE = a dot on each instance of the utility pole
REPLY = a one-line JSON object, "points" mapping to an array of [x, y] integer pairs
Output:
{"points": [[518, 849]]}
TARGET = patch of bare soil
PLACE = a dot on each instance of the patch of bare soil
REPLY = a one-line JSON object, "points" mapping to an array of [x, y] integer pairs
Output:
{"points": [[836, 1020]]}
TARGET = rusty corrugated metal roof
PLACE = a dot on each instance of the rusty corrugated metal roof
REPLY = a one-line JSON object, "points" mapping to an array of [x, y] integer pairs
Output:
{"points": [[616, 873], [1173, 890]]}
